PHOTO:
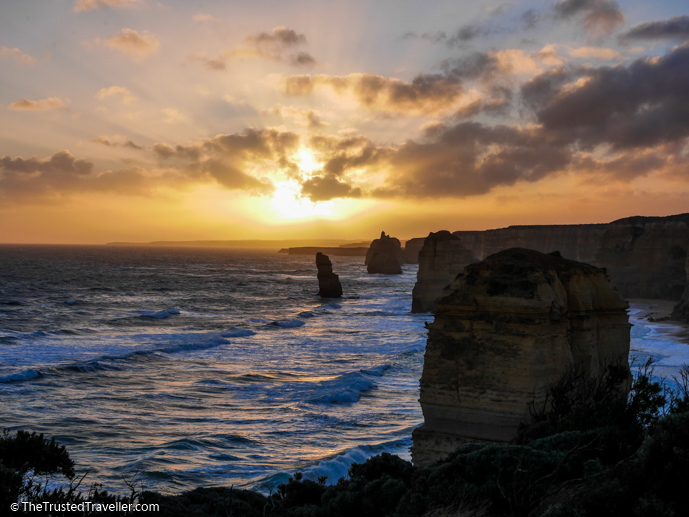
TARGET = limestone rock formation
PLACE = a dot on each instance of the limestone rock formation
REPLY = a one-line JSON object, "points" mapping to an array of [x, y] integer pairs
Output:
{"points": [[442, 257], [385, 256], [681, 310], [504, 331], [645, 256], [328, 282], [412, 248]]}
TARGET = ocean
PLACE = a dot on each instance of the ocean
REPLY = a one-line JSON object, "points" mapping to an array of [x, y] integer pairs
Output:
{"points": [[188, 367]]}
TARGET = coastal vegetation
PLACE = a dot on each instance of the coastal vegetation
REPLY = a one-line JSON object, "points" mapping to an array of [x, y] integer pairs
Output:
{"points": [[590, 451]]}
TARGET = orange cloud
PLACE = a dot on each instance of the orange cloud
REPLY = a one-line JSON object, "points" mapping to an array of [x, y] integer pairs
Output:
{"points": [[51, 103], [17, 55], [132, 44], [88, 5], [119, 92], [277, 45]]}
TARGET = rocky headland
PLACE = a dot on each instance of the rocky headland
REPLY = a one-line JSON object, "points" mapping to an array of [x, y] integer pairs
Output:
{"points": [[329, 285], [504, 331], [385, 256], [442, 256]]}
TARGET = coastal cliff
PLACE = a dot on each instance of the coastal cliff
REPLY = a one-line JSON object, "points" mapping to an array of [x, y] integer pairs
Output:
{"points": [[443, 256], [504, 331], [574, 241], [645, 256]]}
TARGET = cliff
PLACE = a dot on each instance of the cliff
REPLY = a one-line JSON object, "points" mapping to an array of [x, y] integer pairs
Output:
{"points": [[574, 241], [443, 256], [504, 331], [385, 256], [681, 310], [412, 248], [645, 256]]}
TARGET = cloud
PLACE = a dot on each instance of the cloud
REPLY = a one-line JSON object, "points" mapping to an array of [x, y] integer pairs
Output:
{"points": [[173, 116], [278, 45], [600, 17], [603, 54], [17, 55], [51, 103], [426, 93], [132, 44], [59, 163], [237, 160], [324, 188], [639, 105], [308, 118], [116, 141], [676, 28], [201, 18], [459, 38], [119, 92], [89, 5]]}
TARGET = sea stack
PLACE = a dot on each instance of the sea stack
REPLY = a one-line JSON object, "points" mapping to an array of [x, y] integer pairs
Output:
{"points": [[385, 256], [504, 331], [328, 282], [442, 257]]}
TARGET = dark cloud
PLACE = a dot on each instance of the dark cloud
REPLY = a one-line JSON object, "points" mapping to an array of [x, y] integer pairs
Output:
{"points": [[676, 28], [460, 38], [116, 142], [230, 159], [60, 163], [324, 188], [277, 46], [426, 93], [600, 17], [640, 105], [62, 175]]}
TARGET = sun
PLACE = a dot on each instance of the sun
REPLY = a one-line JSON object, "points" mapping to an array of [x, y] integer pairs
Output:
{"points": [[288, 202], [307, 161]]}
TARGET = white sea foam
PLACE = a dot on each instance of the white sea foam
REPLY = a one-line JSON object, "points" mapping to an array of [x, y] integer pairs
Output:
{"points": [[165, 313], [288, 323]]}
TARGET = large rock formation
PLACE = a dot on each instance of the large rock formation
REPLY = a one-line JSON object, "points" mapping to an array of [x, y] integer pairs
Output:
{"points": [[412, 248], [443, 256], [385, 256], [574, 241], [681, 310], [504, 331], [328, 282], [645, 256]]}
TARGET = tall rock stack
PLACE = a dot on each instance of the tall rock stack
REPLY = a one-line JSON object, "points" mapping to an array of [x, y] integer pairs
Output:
{"points": [[385, 256], [442, 257], [504, 331], [328, 282]]}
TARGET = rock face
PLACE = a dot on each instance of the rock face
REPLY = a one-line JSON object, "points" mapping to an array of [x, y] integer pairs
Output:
{"points": [[328, 282], [681, 310], [385, 256], [443, 256], [504, 331], [574, 241], [412, 248], [646, 256]]}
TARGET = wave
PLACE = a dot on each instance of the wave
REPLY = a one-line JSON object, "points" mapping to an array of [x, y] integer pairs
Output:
{"points": [[288, 323], [336, 467], [160, 315], [345, 389], [235, 332], [20, 376]]}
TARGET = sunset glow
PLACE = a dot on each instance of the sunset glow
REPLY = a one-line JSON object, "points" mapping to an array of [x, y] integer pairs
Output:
{"points": [[143, 120]]}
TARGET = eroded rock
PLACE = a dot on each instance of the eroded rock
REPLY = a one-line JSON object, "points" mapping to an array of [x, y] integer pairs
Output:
{"points": [[504, 331], [385, 256], [328, 282], [442, 257]]}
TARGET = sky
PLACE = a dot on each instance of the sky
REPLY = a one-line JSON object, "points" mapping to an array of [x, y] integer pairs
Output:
{"points": [[142, 120]]}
